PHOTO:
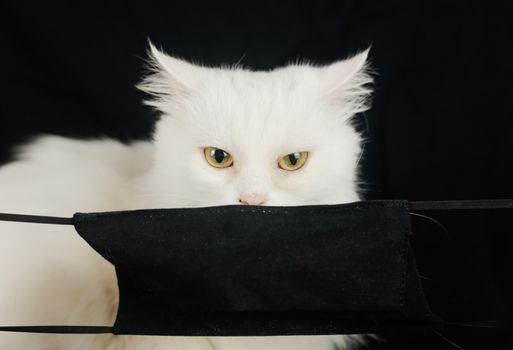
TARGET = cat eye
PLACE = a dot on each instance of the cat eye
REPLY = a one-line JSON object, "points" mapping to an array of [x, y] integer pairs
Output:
{"points": [[293, 161], [218, 158]]}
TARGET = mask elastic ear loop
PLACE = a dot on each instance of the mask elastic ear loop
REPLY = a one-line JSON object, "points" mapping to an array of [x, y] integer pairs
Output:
{"points": [[36, 219], [58, 329], [53, 220], [462, 204], [498, 325]]}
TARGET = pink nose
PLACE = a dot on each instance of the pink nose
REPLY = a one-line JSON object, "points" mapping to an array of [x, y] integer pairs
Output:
{"points": [[252, 199]]}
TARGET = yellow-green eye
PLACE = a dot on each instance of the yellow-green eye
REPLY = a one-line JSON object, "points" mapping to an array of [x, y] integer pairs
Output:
{"points": [[293, 161], [218, 158]]}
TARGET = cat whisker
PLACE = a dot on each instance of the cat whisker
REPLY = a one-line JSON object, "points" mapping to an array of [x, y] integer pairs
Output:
{"points": [[449, 341], [425, 278], [361, 155], [211, 343], [237, 64], [438, 223]]}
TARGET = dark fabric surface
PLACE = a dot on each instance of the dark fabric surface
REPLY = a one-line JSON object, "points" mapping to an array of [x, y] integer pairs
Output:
{"points": [[237, 270]]}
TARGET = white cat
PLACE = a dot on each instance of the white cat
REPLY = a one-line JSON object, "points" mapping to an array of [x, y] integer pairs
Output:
{"points": [[226, 136]]}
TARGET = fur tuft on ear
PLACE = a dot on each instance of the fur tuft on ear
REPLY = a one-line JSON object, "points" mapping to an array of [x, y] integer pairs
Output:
{"points": [[167, 77], [347, 82]]}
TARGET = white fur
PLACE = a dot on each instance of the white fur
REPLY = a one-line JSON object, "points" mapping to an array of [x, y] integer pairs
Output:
{"points": [[49, 275]]}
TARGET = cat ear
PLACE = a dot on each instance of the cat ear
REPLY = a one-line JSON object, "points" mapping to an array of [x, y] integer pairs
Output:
{"points": [[339, 74], [347, 82], [168, 77]]}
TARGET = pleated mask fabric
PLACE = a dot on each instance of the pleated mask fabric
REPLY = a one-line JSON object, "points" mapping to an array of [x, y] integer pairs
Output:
{"points": [[242, 270]]}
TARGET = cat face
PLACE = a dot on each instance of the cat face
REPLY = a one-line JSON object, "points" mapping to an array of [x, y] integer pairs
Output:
{"points": [[233, 136]]}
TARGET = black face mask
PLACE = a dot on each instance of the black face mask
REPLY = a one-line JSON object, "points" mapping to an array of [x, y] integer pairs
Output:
{"points": [[241, 270]]}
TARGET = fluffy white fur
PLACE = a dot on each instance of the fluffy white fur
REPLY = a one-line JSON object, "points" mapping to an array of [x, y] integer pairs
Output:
{"points": [[49, 275]]}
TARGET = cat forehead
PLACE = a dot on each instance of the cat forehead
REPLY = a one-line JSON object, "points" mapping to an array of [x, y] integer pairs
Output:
{"points": [[245, 106], [270, 89], [241, 96]]}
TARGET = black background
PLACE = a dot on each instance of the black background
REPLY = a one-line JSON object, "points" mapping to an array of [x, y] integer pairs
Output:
{"points": [[441, 125]]}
